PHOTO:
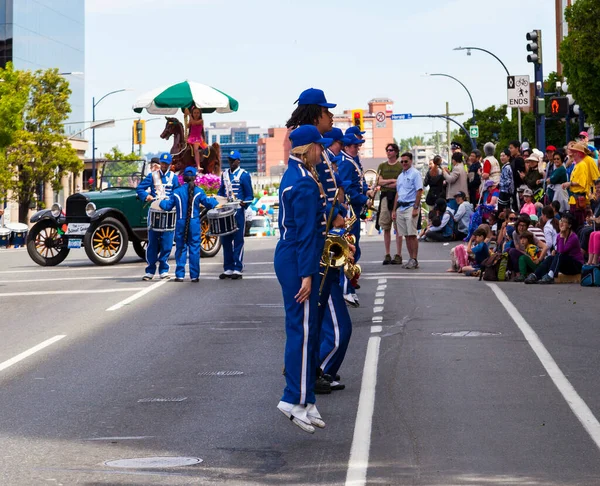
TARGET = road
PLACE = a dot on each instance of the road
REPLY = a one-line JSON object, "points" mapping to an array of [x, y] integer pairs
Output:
{"points": [[449, 381]]}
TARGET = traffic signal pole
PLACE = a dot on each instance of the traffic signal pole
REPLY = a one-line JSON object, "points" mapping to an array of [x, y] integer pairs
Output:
{"points": [[540, 119]]}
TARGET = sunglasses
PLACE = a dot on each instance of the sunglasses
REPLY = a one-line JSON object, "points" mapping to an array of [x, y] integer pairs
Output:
{"points": [[389, 150], [405, 161]]}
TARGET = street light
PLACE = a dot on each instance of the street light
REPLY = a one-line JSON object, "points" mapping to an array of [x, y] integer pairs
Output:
{"points": [[99, 124], [71, 73], [94, 104], [469, 49], [470, 97]]}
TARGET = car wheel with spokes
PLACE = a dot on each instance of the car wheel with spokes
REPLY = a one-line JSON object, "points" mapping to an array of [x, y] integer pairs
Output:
{"points": [[209, 244], [45, 245], [106, 242]]}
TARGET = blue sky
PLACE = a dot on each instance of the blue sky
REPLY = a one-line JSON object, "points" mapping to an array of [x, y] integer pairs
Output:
{"points": [[265, 52]]}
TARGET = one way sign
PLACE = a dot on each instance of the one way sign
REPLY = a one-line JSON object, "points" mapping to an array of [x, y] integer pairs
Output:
{"points": [[518, 91]]}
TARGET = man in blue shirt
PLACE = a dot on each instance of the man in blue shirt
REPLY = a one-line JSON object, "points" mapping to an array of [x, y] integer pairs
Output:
{"points": [[160, 243], [235, 185], [407, 207]]}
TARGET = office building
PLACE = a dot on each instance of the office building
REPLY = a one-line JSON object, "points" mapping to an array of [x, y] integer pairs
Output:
{"points": [[237, 136], [43, 34], [273, 152]]}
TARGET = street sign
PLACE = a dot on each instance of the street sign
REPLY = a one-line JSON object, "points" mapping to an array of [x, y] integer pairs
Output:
{"points": [[401, 116], [474, 131], [380, 116], [518, 91]]}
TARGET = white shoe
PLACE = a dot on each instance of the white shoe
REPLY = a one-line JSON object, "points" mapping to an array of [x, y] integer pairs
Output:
{"points": [[314, 416], [349, 298], [165, 276], [297, 414]]}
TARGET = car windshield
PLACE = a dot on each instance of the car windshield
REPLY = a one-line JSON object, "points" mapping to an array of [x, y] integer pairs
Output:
{"points": [[122, 173], [259, 223]]}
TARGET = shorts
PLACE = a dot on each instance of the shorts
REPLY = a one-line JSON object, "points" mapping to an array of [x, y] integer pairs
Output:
{"points": [[385, 216], [406, 225]]}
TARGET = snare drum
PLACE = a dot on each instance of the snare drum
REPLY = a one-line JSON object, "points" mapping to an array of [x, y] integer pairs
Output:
{"points": [[18, 233], [222, 221], [4, 237], [159, 220]]}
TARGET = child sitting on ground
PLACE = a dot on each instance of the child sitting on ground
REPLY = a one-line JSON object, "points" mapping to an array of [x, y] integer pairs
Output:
{"points": [[478, 249], [531, 259], [459, 256]]}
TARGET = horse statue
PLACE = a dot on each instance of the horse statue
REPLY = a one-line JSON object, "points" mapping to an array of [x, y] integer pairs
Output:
{"points": [[210, 159]]}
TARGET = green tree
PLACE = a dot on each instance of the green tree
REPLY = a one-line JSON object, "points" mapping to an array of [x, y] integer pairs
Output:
{"points": [[580, 55], [121, 168], [39, 151]]}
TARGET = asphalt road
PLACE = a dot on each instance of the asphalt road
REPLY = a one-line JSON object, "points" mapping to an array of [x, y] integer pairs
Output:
{"points": [[449, 381]]}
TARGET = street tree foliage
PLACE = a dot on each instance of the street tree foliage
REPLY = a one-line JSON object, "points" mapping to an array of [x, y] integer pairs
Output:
{"points": [[38, 151], [580, 55], [122, 170]]}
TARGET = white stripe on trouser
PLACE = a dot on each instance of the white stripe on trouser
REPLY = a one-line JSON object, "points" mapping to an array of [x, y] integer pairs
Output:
{"points": [[336, 332], [241, 257], [304, 352]]}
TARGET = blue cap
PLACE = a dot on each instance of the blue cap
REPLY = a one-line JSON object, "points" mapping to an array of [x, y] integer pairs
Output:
{"points": [[352, 139], [354, 131], [335, 134], [305, 134], [165, 158], [190, 171], [314, 96], [234, 154]]}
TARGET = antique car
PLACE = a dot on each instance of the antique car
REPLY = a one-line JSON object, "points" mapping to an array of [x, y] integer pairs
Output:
{"points": [[103, 222]]}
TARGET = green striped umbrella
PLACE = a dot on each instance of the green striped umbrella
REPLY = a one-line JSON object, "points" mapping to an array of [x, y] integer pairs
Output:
{"points": [[167, 100]]}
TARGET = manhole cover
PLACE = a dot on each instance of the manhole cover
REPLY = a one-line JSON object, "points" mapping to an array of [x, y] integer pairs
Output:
{"points": [[154, 462], [221, 373], [466, 334]]}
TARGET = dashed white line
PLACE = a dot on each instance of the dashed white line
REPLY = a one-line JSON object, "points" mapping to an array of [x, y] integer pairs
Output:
{"points": [[376, 329], [379, 301], [377, 309], [134, 297], [377, 319], [379, 294], [30, 351], [575, 402], [381, 287]]}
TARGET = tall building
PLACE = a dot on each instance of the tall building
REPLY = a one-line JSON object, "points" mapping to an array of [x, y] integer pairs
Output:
{"points": [[42, 34], [273, 152], [237, 136]]}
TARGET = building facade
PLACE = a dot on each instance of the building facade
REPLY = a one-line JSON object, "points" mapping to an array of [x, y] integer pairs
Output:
{"points": [[237, 136], [273, 152], [42, 34]]}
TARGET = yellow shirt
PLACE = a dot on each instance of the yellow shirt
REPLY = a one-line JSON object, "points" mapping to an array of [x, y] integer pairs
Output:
{"points": [[594, 174], [581, 177]]}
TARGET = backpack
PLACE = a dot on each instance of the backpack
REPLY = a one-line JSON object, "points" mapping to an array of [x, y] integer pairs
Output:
{"points": [[493, 268], [590, 276]]}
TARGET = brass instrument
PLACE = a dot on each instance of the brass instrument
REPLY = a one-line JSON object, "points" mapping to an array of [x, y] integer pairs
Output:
{"points": [[371, 176], [351, 270]]}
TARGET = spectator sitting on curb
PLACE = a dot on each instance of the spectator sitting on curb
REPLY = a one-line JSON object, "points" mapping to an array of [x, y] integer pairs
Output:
{"points": [[529, 261], [515, 253], [462, 217], [478, 249], [567, 258], [459, 256], [442, 223]]}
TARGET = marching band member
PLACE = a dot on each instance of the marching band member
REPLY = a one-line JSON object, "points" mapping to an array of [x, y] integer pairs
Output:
{"points": [[302, 223], [187, 200], [356, 188], [236, 185], [160, 243], [354, 130]]}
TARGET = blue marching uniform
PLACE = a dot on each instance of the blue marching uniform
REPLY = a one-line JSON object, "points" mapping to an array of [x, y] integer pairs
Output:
{"points": [[298, 254], [350, 171], [180, 199], [336, 325], [233, 244], [160, 243]]}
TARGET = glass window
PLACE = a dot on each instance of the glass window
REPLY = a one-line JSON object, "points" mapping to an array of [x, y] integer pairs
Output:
{"points": [[253, 138], [239, 137], [225, 139], [214, 139]]}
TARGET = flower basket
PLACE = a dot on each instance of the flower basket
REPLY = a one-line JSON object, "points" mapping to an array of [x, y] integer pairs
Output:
{"points": [[210, 183]]}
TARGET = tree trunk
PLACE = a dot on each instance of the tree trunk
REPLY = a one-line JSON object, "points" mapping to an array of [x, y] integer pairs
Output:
{"points": [[23, 212]]}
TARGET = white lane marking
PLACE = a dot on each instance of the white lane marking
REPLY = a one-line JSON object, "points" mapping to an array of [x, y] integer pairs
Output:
{"points": [[379, 301], [134, 297], [361, 441], [575, 402], [94, 268], [376, 328], [382, 281], [30, 351], [62, 279], [381, 287], [67, 292], [379, 294], [377, 309], [377, 319]]}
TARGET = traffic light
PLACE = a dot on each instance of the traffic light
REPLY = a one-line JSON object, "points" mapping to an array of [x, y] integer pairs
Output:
{"points": [[357, 119], [559, 105], [139, 132], [534, 46]]}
